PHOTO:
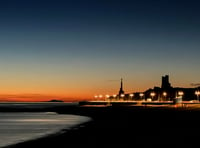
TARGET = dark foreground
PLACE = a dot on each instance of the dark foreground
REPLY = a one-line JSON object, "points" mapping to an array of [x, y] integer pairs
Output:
{"points": [[132, 126]]}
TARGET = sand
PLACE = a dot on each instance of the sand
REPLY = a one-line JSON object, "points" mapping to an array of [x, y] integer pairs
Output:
{"points": [[130, 126]]}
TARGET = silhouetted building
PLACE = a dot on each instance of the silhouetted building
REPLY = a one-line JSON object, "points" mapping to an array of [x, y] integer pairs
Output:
{"points": [[121, 91], [165, 82], [167, 92], [164, 93]]}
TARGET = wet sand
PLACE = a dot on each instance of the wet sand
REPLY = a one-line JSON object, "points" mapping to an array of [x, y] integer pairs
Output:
{"points": [[130, 126]]}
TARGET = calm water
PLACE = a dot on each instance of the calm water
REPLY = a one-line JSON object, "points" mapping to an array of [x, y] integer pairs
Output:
{"points": [[36, 105], [19, 127]]}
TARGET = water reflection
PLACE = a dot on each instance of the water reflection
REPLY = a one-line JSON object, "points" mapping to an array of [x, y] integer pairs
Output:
{"points": [[18, 127]]}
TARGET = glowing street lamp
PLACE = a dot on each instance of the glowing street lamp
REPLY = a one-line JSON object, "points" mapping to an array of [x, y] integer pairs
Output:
{"points": [[152, 95], [180, 93], [197, 93], [122, 95], [95, 96], [114, 96], [107, 96], [131, 96], [100, 96], [165, 94], [141, 95]]}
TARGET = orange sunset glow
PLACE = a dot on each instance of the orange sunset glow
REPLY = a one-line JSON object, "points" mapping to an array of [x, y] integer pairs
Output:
{"points": [[73, 51], [70, 90]]}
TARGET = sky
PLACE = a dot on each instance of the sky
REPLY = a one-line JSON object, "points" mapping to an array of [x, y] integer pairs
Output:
{"points": [[75, 49]]}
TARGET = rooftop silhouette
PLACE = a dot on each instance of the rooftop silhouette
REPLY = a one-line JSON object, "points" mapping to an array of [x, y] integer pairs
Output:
{"points": [[164, 93]]}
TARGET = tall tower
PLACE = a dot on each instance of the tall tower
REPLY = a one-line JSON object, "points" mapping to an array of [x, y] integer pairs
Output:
{"points": [[165, 82], [121, 91]]}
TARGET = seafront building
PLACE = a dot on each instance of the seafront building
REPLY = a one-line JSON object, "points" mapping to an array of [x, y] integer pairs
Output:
{"points": [[164, 93]]}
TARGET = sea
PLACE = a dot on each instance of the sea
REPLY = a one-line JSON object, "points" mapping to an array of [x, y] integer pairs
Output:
{"points": [[17, 127]]}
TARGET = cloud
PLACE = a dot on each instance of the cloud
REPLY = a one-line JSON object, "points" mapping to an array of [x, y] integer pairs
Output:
{"points": [[195, 84]]}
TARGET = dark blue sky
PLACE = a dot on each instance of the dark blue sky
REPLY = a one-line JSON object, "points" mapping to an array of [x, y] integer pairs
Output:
{"points": [[73, 41]]}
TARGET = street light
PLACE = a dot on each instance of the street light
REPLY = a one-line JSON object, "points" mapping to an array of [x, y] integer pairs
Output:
{"points": [[197, 93], [165, 95], [180, 96], [107, 96], [122, 95], [141, 95], [114, 96], [180, 93], [152, 95], [95, 96], [131, 95], [100, 96], [107, 99]]}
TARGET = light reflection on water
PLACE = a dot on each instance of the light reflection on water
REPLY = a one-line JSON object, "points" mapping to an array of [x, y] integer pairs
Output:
{"points": [[18, 127]]}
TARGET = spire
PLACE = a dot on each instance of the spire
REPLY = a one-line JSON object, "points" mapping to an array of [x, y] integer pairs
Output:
{"points": [[121, 88], [121, 91]]}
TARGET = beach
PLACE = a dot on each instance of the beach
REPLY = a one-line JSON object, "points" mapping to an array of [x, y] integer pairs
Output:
{"points": [[130, 126]]}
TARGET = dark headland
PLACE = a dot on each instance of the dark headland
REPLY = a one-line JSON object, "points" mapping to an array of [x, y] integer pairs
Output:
{"points": [[126, 126]]}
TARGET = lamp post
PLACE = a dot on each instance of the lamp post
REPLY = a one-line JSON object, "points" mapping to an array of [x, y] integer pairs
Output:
{"points": [[141, 95], [131, 96], [95, 97], [197, 93], [114, 96], [108, 99], [180, 93], [107, 96], [122, 96], [100, 96], [165, 95], [152, 95], [180, 97]]}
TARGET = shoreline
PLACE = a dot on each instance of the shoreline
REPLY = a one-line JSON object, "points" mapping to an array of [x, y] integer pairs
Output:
{"points": [[42, 141], [19, 127], [136, 125]]}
